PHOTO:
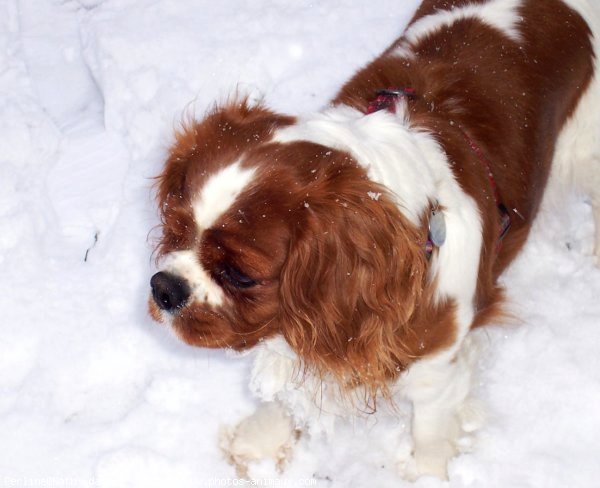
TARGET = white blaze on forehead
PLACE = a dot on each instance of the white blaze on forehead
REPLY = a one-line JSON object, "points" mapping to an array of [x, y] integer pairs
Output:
{"points": [[503, 15], [219, 193], [186, 264]]}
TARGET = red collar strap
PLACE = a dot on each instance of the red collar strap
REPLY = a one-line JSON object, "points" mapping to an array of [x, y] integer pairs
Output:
{"points": [[505, 221], [386, 100]]}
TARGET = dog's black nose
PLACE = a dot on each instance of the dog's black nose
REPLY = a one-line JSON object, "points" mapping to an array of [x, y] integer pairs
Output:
{"points": [[169, 291]]}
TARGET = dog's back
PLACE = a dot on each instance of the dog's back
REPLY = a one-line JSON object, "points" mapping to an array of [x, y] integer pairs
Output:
{"points": [[530, 104]]}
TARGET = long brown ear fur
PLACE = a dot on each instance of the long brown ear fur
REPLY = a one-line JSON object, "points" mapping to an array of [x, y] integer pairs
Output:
{"points": [[354, 290]]}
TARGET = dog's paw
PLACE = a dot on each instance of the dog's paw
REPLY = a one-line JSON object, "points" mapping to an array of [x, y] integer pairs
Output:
{"points": [[268, 434], [471, 416], [426, 461], [432, 459]]}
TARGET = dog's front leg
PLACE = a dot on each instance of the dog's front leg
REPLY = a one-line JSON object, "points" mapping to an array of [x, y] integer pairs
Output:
{"points": [[269, 433], [438, 388]]}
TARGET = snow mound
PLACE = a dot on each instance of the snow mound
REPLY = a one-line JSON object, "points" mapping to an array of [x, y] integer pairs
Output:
{"points": [[93, 393]]}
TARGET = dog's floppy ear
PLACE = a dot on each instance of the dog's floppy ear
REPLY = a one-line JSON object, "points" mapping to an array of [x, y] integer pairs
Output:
{"points": [[354, 277]]}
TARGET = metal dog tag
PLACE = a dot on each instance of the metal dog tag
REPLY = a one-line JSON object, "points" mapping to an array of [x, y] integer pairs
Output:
{"points": [[437, 227]]}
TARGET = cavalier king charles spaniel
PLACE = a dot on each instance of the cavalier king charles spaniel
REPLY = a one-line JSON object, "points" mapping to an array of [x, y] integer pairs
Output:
{"points": [[355, 248]]}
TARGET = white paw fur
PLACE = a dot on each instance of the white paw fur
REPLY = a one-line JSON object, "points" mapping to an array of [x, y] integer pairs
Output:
{"points": [[269, 433]]}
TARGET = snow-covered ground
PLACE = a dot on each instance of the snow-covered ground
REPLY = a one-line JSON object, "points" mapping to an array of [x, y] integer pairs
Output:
{"points": [[92, 393]]}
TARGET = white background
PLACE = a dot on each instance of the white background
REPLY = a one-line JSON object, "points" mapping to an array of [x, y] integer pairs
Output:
{"points": [[91, 390]]}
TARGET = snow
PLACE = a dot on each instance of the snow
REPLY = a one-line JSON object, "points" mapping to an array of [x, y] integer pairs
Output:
{"points": [[92, 392]]}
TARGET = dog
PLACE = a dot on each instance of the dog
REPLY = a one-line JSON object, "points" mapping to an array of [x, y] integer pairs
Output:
{"points": [[354, 249]]}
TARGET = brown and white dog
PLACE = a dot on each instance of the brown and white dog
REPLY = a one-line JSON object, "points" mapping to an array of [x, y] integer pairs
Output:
{"points": [[357, 247]]}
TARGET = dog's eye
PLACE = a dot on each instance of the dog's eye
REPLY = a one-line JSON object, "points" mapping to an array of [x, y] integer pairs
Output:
{"points": [[235, 277]]}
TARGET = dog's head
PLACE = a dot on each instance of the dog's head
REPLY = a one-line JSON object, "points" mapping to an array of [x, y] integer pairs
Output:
{"points": [[261, 237]]}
